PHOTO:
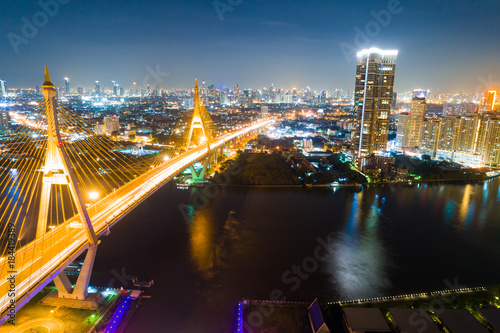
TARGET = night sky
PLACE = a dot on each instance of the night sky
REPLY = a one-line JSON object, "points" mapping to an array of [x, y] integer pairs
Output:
{"points": [[446, 45]]}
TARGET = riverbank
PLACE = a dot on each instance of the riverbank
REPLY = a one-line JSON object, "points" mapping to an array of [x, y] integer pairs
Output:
{"points": [[274, 171], [293, 316], [406, 182], [420, 181]]}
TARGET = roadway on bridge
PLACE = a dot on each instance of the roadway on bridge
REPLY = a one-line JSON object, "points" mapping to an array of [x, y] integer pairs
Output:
{"points": [[43, 257]]}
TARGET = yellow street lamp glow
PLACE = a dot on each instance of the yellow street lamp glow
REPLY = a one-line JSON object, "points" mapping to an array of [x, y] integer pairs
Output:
{"points": [[94, 195]]}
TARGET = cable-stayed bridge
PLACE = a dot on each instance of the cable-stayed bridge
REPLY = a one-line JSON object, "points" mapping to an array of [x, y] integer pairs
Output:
{"points": [[51, 161]]}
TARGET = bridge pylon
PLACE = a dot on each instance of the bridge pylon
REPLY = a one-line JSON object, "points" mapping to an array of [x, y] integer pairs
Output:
{"points": [[198, 122], [57, 171]]}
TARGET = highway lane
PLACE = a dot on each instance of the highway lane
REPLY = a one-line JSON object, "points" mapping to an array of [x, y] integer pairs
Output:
{"points": [[38, 261]]}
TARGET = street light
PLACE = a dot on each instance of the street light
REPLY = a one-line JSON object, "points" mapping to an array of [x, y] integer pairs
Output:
{"points": [[94, 195]]}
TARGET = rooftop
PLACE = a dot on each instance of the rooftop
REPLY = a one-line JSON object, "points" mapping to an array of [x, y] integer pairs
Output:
{"points": [[461, 321], [413, 321], [492, 316], [366, 319]]}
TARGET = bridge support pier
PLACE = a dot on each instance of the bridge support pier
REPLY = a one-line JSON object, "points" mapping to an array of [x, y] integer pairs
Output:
{"points": [[80, 291], [226, 149], [197, 177]]}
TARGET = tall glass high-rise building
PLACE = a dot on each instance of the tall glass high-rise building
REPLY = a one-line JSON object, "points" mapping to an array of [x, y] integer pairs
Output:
{"points": [[3, 87], [5, 126], [402, 130], [66, 86], [373, 98], [417, 116]]}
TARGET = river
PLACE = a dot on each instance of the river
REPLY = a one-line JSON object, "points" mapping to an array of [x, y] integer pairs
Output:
{"points": [[245, 242]]}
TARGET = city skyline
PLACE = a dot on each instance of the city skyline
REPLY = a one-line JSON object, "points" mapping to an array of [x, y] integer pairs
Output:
{"points": [[251, 45], [75, 87]]}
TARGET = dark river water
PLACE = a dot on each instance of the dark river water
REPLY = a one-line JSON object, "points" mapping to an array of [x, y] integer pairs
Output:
{"points": [[247, 242]]}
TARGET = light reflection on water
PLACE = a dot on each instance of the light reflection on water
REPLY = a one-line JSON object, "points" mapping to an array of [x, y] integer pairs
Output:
{"points": [[359, 259], [202, 242], [466, 210]]}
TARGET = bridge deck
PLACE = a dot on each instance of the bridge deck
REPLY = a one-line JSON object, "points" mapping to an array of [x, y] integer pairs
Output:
{"points": [[40, 261]]}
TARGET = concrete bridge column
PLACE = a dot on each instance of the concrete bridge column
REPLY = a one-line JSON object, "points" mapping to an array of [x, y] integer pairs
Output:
{"points": [[80, 291], [200, 176], [82, 284]]}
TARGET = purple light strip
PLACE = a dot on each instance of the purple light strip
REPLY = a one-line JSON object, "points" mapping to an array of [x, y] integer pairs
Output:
{"points": [[239, 318], [117, 317]]}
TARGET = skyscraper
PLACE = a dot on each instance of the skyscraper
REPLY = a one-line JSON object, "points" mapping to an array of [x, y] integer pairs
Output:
{"points": [[468, 133], [448, 135], [489, 101], [3, 87], [236, 92], [97, 87], [111, 125], [66, 86], [429, 137], [402, 131], [264, 111], [417, 116], [372, 101], [489, 139], [115, 88], [5, 128]]}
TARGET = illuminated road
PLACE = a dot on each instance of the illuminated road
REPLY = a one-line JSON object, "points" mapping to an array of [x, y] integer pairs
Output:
{"points": [[38, 262]]}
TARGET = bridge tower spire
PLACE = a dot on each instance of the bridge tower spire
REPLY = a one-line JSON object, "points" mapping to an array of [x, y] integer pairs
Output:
{"points": [[197, 121], [57, 169]]}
